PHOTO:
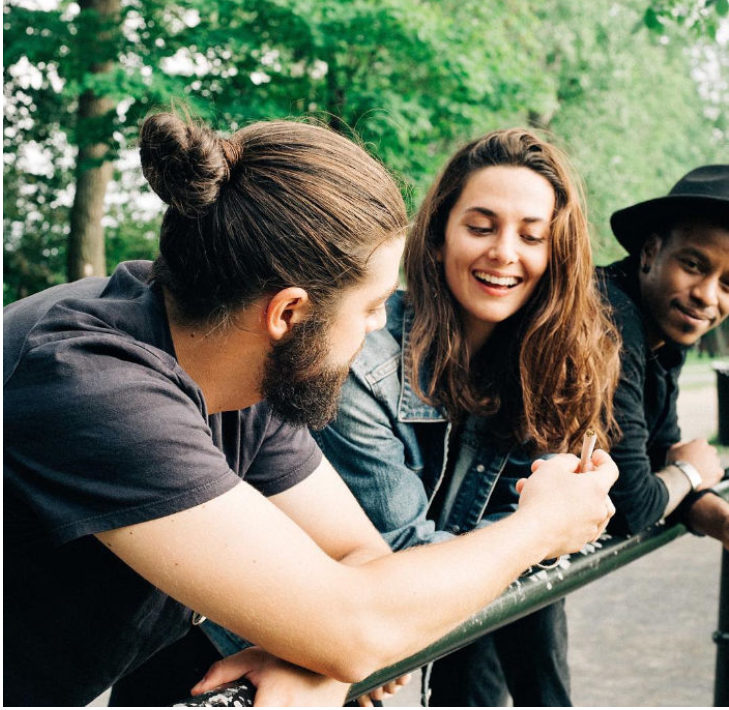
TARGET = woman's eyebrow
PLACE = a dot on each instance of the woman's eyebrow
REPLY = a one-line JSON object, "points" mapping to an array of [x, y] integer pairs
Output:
{"points": [[486, 212], [481, 210]]}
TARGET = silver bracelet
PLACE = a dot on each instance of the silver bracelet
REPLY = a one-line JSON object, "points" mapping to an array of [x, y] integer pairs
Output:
{"points": [[690, 471]]}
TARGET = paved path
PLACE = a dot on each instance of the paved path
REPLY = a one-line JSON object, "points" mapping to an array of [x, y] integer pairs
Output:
{"points": [[641, 636]]}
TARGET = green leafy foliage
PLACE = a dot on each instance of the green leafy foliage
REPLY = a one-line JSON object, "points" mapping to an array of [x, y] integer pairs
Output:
{"points": [[615, 83], [629, 109], [702, 17]]}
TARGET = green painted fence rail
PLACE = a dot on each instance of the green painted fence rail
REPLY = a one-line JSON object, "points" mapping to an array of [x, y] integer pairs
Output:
{"points": [[546, 586], [533, 592]]}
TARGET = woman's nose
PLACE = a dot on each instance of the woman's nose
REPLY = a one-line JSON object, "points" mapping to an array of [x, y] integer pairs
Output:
{"points": [[502, 249]]}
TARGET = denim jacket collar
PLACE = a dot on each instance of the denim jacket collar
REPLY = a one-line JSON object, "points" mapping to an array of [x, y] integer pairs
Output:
{"points": [[413, 460], [410, 407]]}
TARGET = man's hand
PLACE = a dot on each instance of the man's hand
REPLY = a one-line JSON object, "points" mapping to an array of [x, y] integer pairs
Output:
{"points": [[386, 691], [703, 456], [577, 507], [278, 683], [709, 515], [281, 684]]}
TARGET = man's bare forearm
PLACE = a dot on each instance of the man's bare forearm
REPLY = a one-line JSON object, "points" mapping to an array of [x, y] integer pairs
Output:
{"points": [[677, 485], [289, 596], [709, 515]]}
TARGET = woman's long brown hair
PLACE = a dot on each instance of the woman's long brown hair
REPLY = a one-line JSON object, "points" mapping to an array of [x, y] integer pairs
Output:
{"points": [[549, 372]]}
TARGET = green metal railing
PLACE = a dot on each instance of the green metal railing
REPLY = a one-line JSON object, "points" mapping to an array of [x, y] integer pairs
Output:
{"points": [[544, 587], [533, 592]]}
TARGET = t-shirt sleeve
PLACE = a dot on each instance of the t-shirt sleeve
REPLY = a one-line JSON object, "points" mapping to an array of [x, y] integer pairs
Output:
{"points": [[103, 432], [287, 455]]}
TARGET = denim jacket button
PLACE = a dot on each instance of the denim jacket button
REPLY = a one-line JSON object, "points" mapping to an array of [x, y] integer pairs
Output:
{"points": [[480, 468]]}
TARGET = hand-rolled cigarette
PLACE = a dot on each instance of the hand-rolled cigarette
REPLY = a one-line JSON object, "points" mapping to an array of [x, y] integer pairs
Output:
{"points": [[588, 446]]}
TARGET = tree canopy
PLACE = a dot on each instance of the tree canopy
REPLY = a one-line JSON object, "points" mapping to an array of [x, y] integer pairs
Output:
{"points": [[635, 91]]}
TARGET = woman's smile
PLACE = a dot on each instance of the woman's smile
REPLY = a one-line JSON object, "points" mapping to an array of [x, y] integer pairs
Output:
{"points": [[497, 284]]}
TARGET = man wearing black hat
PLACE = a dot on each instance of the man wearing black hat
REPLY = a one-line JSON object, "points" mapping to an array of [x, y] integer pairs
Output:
{"points": [[671, 289]]}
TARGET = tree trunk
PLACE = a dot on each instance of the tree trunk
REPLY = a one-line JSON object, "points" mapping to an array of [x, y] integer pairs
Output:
{"points": [[86, 252]]}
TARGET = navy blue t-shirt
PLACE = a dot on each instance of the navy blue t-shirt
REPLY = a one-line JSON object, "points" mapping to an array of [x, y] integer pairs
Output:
{"points": [[104, 429]]}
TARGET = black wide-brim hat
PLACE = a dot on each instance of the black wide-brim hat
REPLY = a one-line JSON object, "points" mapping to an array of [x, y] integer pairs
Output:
{"points": [[704, 191]]}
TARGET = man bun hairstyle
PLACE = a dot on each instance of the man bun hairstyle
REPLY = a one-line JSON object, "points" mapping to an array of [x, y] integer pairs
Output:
{"points": [[276, 204], [185, 164]]}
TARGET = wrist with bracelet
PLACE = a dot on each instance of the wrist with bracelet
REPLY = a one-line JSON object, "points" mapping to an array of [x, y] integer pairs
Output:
{"points": [[690, 471]]}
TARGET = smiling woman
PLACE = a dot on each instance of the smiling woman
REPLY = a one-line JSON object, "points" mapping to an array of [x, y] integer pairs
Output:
{"points": [[496, 246], [510, 209], [498, 352]]}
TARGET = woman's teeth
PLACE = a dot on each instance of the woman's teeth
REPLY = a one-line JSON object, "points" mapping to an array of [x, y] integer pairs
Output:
{"points": [[496, 280]]}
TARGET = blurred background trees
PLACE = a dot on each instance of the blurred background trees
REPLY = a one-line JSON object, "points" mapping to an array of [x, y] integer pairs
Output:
{"points": [[636, 91]]}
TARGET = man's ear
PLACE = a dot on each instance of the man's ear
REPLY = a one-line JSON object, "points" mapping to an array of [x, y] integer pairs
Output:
{"points": [[285, 309], [651, 247]]}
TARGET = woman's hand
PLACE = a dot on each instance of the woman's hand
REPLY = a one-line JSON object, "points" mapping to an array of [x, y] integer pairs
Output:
{"points": [[278, 683]]}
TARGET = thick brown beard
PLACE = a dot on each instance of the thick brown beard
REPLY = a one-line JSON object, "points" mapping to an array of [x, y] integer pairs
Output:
{"points": [[297, 383]]}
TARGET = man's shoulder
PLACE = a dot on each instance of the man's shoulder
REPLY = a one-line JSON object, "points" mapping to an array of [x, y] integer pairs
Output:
{"points": [[618, 282], [22, 317], [118, 310]]}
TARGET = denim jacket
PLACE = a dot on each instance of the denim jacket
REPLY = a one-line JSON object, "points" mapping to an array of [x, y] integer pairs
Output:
{"points": [[391, 448]]}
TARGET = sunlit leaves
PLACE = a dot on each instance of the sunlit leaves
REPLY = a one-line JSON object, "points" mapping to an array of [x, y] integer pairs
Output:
{"points": [[615, 83], [701, 17]]}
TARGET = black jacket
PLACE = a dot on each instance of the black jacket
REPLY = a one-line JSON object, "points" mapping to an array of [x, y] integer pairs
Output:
{"points": [[645, 405]]}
